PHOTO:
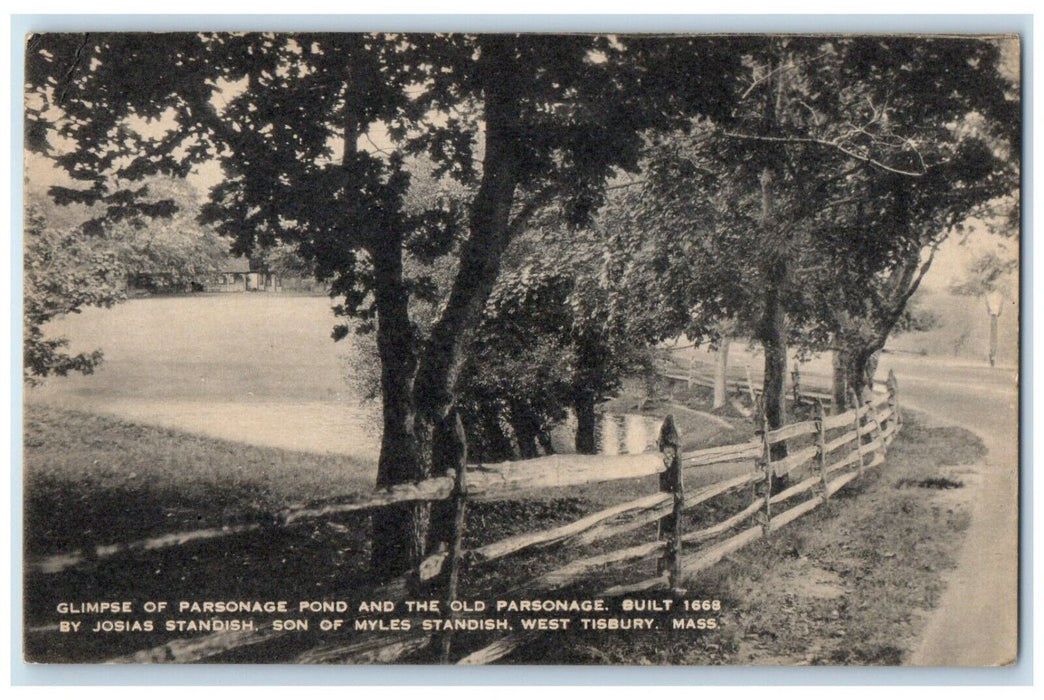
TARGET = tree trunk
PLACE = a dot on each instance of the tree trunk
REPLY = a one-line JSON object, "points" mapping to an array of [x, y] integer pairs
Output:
{"points": [[774, 390], [856, 378], [544, 438], [870, 366], [772, 326], [772, 334], [400, 531], [993, 339], [839, 383], [411, 418], [526, 430], [773, 397], [496, 446], [584, 406], [449, 451], [721, 373], [692, 370], [861, 370]]}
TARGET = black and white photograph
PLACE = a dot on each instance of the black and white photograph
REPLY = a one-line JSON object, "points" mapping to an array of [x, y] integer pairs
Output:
{"points": [[529, 348]]}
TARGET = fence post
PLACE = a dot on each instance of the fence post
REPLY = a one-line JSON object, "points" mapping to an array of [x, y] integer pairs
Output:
{"points": [[460, 500], [821, 445], [766, 466], [692, 370], [893, 399], [795, 377], [671, 481], [872, 411], [750, 388], [859, 438]]}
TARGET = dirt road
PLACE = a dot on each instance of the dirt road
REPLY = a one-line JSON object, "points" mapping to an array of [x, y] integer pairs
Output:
{"points": [[976, 622]]}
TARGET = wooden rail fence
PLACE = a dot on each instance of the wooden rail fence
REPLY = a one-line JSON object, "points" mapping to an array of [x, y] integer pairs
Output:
{"points": [[828, 453], [735, 386]]}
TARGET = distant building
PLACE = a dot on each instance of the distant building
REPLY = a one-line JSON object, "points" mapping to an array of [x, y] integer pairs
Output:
{"points": [[143, 283], [233, 275]]}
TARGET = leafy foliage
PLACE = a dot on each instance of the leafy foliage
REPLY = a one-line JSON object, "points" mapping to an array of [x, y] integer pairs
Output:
{"points": [[846, 162], [176, 246], [554, 334], [273, 108], [801, 181], [63, 274], [985, 274]]}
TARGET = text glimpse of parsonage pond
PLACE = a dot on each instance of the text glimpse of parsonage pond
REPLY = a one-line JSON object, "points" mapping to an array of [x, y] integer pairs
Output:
{"points": [[528, 349]]}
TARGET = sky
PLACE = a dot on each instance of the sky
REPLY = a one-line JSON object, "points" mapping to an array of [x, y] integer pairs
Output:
{"points": [[957, 251]]}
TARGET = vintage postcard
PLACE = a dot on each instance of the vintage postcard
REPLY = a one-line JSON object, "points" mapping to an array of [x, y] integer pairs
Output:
{"points": [[590, 349]]}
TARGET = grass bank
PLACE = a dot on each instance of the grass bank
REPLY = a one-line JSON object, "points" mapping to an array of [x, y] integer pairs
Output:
{"points": [[101, 479], [850, 583], [92, 479]]}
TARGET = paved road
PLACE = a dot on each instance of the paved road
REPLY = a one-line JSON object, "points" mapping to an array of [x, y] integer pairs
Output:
{"points": [[976, 622]]}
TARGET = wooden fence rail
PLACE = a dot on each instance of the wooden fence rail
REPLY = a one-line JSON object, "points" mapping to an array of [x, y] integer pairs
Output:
{"points": [[738, 386], [486, 482], [876, 421]]}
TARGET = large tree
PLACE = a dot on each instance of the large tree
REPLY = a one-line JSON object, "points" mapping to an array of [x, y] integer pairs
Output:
{"points": [[561, 331], [813, 214], [951, 139], [313, 132]]}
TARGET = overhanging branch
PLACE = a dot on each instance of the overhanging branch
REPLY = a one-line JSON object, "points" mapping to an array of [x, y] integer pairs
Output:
{"points": [[830, 144]]}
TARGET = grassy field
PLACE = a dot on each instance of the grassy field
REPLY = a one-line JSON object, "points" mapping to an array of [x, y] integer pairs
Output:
{"points": [[94, 479], [253, 368], [215, 346], [114, 481]]}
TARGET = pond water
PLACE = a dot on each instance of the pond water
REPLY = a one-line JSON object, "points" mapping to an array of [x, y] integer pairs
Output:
{"points": [[615, 434]]}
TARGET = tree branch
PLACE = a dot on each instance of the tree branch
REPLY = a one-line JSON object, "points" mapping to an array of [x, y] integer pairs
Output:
{"points": [[531, 207], [823, 142], [624, 185], [67, 78], [782, 69]]}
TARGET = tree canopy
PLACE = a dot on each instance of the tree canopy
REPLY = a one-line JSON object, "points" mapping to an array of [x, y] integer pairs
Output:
{"points": [[64, 272], [812, 216]]}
